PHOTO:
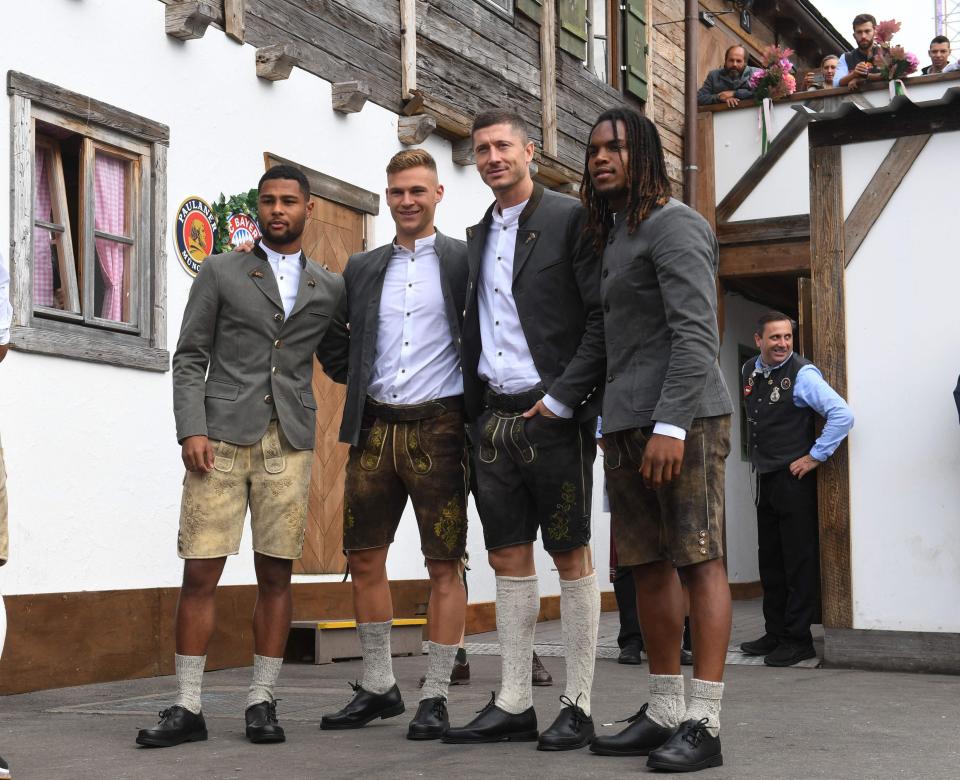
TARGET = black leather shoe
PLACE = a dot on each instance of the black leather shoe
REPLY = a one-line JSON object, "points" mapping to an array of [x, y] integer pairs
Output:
{"points": [[762, 646], [637, 739], [495, 725], [573, 729], [177, 724], [790, 653], [690, 749], [262, 723], [364, 707], [539, 674], [631, 654], [431, 720]]}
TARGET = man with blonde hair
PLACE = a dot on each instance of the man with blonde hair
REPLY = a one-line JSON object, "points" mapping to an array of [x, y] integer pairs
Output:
{"points": [[403, 419]]}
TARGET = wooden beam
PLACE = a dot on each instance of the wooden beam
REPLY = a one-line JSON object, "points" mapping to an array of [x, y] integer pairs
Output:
{"points": [[900, 118], [462, 152], [276, 61], [22, 145], [706, 181], [348, 97], [548, 77], [408, 48], [829, 345], [187, 20], [413, 130], [748, 231], [789, 257], [761, 167], [159, 303], [233, 17], [452, 122], [878, 192]]}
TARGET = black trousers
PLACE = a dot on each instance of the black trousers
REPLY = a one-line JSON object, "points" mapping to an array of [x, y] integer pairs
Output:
{"points": [[625, 590], [789, 552]]}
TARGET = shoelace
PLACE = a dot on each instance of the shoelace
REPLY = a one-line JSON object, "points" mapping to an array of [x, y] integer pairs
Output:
{"points": [[489, 704], [272, 711], [439, 707], [577, 713], [695, 733], [637, 715], [164, 713]]}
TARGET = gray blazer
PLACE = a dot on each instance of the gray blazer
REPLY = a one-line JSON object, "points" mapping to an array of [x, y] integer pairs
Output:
{"points": [[556, 284], [364, 275], [257, 358], [659, 292]]}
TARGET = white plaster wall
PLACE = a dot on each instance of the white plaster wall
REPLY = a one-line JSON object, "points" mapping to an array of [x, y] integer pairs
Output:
{"points": [[740, 317], [93, 463], [902, 317]]}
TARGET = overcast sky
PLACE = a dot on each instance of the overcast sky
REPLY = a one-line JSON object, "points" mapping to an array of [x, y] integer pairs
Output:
{"points": [[916, 16]]}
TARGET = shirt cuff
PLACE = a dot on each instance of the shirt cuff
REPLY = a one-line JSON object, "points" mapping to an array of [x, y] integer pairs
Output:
{"points": [[819, 454], [673, 431], [559, 409]]}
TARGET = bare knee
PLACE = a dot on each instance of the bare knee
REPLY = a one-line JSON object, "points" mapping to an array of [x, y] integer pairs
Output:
{"points": [[573, 564], [273, 574], [515, 561], [701, 574], [200, 577], [444, 576], [368, 565]]}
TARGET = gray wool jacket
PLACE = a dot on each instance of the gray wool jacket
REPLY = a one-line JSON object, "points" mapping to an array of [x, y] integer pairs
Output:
{"points": [[239, 357], [659, 292]]}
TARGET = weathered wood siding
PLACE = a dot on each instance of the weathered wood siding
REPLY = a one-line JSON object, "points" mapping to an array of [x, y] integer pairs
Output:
{"points": [[666, 77]]}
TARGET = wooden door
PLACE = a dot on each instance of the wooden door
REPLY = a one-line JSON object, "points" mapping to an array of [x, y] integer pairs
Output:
{"points": [[332, 234]]}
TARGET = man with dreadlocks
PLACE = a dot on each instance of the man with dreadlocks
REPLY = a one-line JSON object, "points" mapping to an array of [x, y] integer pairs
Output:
{"points": [[666, 432]]}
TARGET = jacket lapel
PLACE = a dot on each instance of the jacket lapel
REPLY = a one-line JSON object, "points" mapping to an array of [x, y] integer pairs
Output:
{"points": [[259, 270], [441, 249], [378, 267], [526, 237], [305, 288], [476, 241]]}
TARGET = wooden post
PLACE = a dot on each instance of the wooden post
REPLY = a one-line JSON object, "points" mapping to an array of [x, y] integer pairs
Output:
{"points": [[233, 11], [462, 152], [159, 248], [189, 19], [348, 97], [274, 62], [829, 345], [21, 210], [548, 77], [408, 48], [414, 129]]}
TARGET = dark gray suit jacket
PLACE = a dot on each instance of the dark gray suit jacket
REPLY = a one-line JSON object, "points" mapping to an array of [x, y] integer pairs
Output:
{"points": [[556, 284], [257, 358], [364, 275], [659, 292]]}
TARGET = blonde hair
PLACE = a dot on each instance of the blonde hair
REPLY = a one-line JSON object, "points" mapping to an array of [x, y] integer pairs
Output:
{"points": [[411, 158]]}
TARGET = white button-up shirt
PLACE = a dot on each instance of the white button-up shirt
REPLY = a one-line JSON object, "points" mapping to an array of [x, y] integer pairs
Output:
{"points": [[416, 360], [6, 310], [505, 360], [287, 270]]}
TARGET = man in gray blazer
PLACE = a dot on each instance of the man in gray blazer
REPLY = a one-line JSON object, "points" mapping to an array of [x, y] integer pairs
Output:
{"points": [[245, 418], [532, 365], [666, 432], [404, 420]]}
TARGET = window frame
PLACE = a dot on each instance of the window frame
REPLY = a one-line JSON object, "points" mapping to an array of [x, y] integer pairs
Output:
{"points": [[116, 132]]}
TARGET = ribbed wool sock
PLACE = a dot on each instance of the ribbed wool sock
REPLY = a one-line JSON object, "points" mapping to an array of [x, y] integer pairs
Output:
{"points": [[518, 604], [705, 699], [377, 663], [580, 620], [666, 700], [266, 670], [440, 660], [189, 681]]}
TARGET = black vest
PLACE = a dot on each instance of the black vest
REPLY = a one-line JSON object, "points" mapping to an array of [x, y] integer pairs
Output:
{"points": [[778, 431], [853, 58]]}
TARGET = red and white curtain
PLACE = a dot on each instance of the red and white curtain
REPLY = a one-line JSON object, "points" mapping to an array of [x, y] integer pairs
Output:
{"points": [[110, 204], [42, 254]]}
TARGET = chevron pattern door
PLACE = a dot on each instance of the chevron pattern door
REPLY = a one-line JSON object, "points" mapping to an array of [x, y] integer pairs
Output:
{"points": [[333, 233]]}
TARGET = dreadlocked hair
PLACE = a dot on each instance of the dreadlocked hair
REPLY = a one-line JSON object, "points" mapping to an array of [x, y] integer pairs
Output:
{"points": [[648, 185]]}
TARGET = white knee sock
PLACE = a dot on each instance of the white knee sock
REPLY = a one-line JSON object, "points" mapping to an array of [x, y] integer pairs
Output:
{"points": [[666, 705], [189, 681], [705, 699], [377, 663], [266, 670], [440, 660], [518, 604], [580, 620]]}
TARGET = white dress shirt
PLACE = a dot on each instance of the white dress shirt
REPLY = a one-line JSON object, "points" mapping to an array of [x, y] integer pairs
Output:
{"points": [[287, 270], [416, 360], [505, 360], [6, 310]]}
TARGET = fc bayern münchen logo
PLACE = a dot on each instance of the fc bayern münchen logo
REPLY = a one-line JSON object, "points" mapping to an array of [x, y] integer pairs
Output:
{"points": [[242, 228], [194, 235]]}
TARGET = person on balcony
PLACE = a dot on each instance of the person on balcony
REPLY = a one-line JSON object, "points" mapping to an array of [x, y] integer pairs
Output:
{"points": [[823, 77], [939, 56], [729, 84], [856, 66]]}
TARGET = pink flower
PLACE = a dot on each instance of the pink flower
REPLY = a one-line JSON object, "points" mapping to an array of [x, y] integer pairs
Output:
{"points": [[755, 78], [886, 30], [790, 83], [912, 62]]}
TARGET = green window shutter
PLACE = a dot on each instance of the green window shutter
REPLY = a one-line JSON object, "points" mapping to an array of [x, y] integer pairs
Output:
{"points": [[532, 8], [635, 48], [573, 27]]}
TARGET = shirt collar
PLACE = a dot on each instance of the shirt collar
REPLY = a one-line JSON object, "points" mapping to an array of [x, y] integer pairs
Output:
{"points": [[509, 216], [763, 368], [276, 257], [418, 246]]}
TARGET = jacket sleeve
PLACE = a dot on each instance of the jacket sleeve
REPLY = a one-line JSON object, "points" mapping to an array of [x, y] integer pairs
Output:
{"points": [[190, 361], [707, 94], [684, 252], [333, 351], [584, 371]]}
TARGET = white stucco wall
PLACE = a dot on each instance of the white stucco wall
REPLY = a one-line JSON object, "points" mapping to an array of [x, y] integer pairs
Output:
{"points": [[902, 317], [93, 464]]}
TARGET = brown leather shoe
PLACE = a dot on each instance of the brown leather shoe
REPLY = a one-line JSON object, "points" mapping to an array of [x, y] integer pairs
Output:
{"points": [[539, 673]]}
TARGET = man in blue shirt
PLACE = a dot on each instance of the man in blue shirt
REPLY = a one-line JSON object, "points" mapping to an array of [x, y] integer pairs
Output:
{"points": [[782, 394]]}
